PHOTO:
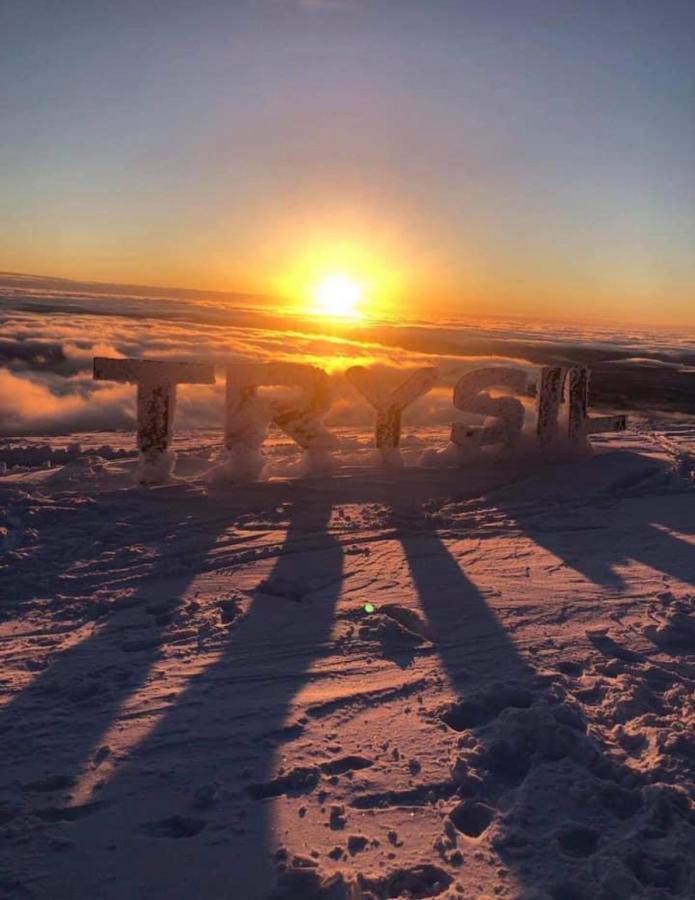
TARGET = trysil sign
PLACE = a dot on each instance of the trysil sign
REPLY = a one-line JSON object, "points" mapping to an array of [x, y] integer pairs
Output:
{"points": [[247, 417]]}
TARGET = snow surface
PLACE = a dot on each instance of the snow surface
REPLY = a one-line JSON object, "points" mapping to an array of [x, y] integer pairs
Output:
{"points": [[195, 702]]}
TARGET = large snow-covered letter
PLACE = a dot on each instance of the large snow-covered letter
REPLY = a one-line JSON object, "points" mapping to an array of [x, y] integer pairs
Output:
{"points": [[550, 396], [248, 415], [389, 407], [156, 382], [508, 412], [579, 424]]}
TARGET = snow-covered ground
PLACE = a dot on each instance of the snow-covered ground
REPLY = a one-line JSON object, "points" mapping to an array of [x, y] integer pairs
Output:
{"points": [[443, 683]]}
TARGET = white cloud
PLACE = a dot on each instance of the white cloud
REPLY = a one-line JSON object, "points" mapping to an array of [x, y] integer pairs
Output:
{"points": [[47, 345]]}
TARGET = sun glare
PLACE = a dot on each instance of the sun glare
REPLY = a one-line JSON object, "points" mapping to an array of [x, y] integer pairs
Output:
{"points": [[338, 296]]}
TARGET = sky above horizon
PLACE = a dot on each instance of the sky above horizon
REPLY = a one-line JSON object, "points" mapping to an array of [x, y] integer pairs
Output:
{"points": [[530, 158]]}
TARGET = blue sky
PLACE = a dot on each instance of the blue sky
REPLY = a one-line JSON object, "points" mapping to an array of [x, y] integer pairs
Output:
{"points": [[497, 156]]}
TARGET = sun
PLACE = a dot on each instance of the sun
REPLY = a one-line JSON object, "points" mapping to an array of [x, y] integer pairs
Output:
{"points": [[339, 296]]}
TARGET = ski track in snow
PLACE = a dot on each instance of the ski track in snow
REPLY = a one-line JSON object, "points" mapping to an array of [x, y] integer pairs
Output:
{"points": [[194, 701]]}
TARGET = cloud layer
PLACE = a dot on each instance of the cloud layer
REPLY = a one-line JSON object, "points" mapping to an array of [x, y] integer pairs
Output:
{"points": [[48, 340]]}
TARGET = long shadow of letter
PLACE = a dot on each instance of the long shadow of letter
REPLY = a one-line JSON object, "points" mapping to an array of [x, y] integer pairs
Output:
{"points": [[204, 782]]}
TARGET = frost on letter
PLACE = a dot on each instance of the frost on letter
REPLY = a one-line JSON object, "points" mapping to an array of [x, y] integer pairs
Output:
{"points": [[508, 412], [156, 383], [247, 416], [389, 407], [550, 396], [579, 424]]}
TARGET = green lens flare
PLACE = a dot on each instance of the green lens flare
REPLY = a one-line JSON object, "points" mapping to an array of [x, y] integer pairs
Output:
{"points": [[369, 608]]}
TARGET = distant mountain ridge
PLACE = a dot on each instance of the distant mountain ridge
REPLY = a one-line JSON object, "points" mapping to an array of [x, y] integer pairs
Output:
{"points": [[28, 281]]}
